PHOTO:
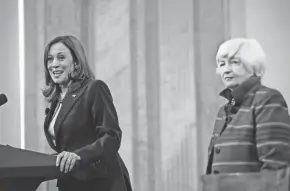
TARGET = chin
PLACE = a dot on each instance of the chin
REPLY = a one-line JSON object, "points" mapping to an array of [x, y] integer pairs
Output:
{"points": [[57, 81], [231, 85]]}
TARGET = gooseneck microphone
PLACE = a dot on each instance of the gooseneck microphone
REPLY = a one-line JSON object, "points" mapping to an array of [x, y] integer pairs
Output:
{"points": [[3, 99]]}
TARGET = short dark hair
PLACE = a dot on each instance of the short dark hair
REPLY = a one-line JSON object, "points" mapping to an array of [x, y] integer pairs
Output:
{"points": [[81, 74]]}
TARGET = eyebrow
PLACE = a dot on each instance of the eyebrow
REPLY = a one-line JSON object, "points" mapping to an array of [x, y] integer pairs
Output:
{"points": [[226, 57], [220, 59], [57, 53]]}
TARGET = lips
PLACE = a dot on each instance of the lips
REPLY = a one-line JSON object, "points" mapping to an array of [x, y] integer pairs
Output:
{"points": [[228, 78], [57, 73]]}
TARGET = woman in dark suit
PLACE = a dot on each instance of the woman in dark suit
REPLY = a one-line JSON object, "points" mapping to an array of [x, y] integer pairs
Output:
{"points": [[82, 124]]}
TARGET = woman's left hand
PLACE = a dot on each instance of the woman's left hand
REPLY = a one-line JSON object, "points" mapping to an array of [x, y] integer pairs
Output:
{"points": [[66, 161]]}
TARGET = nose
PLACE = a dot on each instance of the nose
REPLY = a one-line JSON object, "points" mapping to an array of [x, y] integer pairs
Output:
{"points": [[227, 68], [227, 71], [55, 63]]}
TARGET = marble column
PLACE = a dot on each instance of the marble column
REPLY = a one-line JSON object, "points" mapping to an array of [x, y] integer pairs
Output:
{"points": [[112, 65], [138, 83], [34, 76], [210, 30], [145, 81], [153, 98], [177, 97], [236, 18]]}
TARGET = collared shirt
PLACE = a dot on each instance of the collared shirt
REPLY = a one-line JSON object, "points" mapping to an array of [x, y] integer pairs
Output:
{"points": [[238, 94]]}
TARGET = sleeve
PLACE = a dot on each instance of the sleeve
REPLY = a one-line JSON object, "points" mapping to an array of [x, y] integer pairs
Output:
{"points": [[106, 122], [273, 131]]}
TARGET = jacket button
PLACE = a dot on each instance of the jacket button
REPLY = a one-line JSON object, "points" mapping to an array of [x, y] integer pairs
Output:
{"points": [[216, 172], [218, 150]]}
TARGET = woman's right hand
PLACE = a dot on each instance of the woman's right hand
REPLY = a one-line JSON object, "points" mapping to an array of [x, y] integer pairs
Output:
{"points": [[67, 160]]}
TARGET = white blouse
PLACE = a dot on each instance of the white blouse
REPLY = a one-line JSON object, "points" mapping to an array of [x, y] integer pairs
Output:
{"points": [[51, 125]]}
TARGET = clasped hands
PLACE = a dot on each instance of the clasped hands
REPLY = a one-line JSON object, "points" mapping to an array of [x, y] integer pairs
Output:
{"points": [[66, 161]]}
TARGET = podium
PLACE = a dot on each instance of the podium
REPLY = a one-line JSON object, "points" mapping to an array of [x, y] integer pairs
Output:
{"points": [[263, 181], [23, 170]]}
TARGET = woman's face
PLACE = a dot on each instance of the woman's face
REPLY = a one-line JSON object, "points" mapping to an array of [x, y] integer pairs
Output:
{"points": [[233, 72], [60, 63]]}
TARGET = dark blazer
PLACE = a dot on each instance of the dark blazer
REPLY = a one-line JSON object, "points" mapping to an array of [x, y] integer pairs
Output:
{"points": [[251, 132], [88, 125]]}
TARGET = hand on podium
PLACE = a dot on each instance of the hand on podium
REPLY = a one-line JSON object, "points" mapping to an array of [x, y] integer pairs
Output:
{"points": [[67, 161]]}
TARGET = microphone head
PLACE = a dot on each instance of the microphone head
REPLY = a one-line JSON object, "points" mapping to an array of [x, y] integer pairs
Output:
{"points": [[3, 99]]}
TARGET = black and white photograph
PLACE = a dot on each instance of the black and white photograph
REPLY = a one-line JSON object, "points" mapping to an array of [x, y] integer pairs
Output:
{"points": [[144, 95]]}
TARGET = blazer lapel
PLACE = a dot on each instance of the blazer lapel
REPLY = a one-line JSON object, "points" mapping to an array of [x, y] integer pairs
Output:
{"points": [[67, 104]]}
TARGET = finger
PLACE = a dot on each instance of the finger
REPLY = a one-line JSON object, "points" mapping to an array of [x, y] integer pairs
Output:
{"points": [[59, 157], [72, 164], [63, 161], [68, 163]]}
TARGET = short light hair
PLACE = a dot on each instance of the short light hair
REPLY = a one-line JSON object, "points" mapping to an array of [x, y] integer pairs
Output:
{"points": [[250, 52]]}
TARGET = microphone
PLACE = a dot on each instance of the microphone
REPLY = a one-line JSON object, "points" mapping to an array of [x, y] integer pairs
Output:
{"points": [[3, 99]]}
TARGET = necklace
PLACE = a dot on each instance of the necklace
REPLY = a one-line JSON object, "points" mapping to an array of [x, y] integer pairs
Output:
{"points": [[61, 96]]}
